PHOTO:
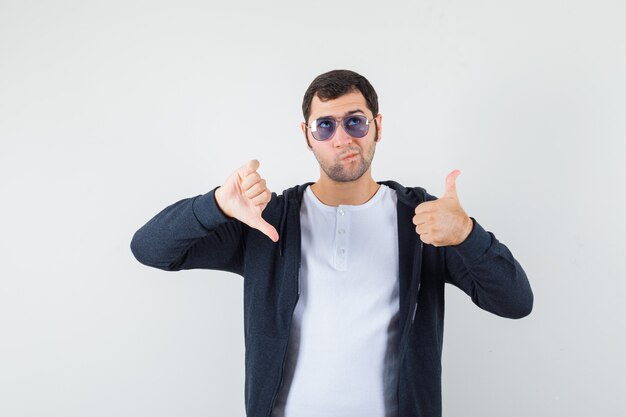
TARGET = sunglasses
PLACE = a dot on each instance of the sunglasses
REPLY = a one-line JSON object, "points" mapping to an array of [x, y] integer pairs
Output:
{"points": [[355, 125]]}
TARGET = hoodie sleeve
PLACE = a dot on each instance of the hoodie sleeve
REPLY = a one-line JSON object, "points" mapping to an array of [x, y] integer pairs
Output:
{"points": [[191, 233], [485, 270]]}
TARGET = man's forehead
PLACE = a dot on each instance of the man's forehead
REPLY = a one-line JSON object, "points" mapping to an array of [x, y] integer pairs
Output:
{"points": [[349, 103]]}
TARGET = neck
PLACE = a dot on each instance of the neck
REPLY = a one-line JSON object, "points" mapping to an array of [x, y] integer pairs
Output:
{"points": [[353, 193]]}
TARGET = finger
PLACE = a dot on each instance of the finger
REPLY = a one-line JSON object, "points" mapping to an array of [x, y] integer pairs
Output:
{"points": [[256, 189], [250, 180], [422, 229], [426, 238], [417, 220], [451, 184], [426, 207], [422, 218], [262, 199], [265, 228]]}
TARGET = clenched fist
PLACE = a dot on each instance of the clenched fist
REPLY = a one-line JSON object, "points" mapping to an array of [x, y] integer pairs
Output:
{"points": [[244, 196], [443, 222]]}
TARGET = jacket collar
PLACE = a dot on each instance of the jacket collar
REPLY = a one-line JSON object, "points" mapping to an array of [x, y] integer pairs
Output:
{"points": [[409, 196]]}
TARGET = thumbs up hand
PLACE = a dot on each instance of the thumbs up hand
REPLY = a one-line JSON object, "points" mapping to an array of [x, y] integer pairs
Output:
{"points": [[244, 196], [443, 222]]}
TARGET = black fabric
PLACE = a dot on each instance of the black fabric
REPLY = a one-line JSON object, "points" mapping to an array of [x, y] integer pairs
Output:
{"points": [[194, 233]]}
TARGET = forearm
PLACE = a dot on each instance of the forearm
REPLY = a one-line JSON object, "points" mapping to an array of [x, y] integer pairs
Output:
{"points": [[191, 233], [487, 271]]}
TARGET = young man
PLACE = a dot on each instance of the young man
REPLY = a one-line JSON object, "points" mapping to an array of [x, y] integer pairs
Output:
{"points": [[344, 277]]}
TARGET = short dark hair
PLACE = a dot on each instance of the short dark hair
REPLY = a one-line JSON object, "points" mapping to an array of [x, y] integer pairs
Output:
{"points": [[336, 83]]}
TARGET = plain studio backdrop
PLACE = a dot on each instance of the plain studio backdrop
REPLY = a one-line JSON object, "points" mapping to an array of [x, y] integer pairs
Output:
{"points": [[112, 110]]}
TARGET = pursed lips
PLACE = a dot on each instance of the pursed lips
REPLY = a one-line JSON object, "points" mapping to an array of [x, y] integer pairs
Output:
{"points": [[349, 155]]}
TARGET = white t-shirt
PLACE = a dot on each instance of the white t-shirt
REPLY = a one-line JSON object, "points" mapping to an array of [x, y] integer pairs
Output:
{"points": [[344, 337]]}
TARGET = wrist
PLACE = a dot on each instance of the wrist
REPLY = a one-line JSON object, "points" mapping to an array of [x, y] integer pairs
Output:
{"points": [[469, 226], [219, 198]]}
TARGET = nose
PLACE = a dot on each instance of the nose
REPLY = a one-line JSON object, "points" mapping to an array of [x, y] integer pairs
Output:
{"points": [[341, 138]]}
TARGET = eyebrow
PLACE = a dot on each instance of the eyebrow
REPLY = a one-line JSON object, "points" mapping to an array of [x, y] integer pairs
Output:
{"points": [[348, 113]]}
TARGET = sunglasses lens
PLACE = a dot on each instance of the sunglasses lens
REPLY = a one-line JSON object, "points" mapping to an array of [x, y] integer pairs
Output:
{"points": [[356, 126], [324, 129]]}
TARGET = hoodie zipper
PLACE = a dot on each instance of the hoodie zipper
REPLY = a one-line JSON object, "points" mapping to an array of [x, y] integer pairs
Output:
{"points": [[282, 366], [293, 308], [417, 267]]}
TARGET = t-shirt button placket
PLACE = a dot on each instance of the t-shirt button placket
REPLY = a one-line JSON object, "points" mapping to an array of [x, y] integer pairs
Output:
{"points": [[341, 239]]}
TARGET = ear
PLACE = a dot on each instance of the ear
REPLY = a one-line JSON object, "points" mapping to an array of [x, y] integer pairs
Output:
{"points": [[379, 126], [305, 133]]}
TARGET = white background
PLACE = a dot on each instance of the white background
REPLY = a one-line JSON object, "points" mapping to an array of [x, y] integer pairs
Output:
{"points": [[112, 110]]}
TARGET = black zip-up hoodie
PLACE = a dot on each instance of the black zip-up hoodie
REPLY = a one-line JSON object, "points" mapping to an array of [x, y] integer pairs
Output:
{"points": [[194, 233]]}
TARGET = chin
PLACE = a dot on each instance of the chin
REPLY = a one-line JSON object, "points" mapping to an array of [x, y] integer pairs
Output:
{"points": [[338, 173]]}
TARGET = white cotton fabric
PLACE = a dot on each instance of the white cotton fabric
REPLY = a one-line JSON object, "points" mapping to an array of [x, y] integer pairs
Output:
{"points": [[344, 337]]}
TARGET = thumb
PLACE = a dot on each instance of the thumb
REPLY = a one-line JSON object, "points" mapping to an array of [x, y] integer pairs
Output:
{"points": [[264, 227], [451, 184]]}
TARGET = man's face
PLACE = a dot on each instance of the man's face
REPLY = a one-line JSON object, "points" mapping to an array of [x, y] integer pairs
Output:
{"points": [[343, 158]]}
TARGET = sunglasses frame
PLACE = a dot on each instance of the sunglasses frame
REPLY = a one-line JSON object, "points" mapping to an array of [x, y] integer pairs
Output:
{"points": [[337, 122]]}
